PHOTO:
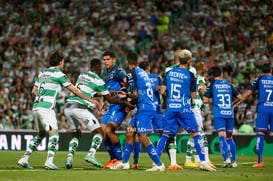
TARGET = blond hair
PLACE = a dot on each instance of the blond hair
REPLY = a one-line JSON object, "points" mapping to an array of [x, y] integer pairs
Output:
{"points": [[182, 55]]}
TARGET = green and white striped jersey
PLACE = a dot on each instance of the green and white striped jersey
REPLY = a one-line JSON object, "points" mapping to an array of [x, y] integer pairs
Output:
{"points": [[89, 84], [198, 101], [49, 84]]}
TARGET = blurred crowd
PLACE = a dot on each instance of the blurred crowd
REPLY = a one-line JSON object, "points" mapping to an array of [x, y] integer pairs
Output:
{"points": [[233, 34]]}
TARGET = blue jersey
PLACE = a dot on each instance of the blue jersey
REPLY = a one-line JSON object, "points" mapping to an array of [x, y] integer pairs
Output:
{"points": [[221, 91], [139, 81], [180, 83], [156, 81], [114, 78], [264, 85]]}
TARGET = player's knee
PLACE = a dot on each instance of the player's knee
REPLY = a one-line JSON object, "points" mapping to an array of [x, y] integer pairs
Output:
{"points": [[171, 140], [77, 134], [229, 136], [111, 128], [98, 131]]}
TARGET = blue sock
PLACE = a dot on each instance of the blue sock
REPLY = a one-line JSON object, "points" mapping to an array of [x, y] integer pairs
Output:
{"points": [[260, 147], [232, 149], [127, 152], [161, 145], [137, 149], [224, 147], [108, 146], [152, 153], [199, 147], [117, 151]]}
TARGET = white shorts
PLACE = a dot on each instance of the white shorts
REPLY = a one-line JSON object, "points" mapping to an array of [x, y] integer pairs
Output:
{"points": [[198, 116], [77, 117], [45, 119]]}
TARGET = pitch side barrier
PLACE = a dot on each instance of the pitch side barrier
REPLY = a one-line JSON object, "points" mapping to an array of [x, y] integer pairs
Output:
{"points": [[18, 140]]}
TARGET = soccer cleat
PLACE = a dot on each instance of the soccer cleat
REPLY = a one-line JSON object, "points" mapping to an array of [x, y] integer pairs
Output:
{"points": [[156, 168], [134, 166], [174, 167], [196, 164], [24, 164], [69, 163], [207, 167], [109, 163], [51, 166], [258, 165], [191, 164], [226, 163], [93, 161], [120, 165], [233, 165], [211, 165]]}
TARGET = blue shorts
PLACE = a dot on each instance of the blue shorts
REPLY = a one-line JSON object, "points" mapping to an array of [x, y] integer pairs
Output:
{"points": [[264, 118], [142, 121], [224, 124], [113, 115], [157, 122], [175, 119]]}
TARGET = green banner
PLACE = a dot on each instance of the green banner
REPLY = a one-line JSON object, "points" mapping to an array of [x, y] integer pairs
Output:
{"points": [[246, 144]]}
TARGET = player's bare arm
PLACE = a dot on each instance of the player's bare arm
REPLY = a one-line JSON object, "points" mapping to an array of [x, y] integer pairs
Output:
{"points": [[34, 90], [78, 93]]}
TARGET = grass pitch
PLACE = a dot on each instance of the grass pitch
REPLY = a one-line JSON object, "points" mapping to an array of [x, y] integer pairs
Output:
{"points": [[84, 171]]}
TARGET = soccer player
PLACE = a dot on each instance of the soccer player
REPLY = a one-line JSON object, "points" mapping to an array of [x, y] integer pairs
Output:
{"points": [[221, 92], [196, 108], [171, 146], [79, 112], [142, 94], [181, 87], [264, 85], [157, 121], [115, 78], [46, 89]]}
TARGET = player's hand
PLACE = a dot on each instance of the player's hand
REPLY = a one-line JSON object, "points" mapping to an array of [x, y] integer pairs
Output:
{"points": [[121, 94], [94, 101]]}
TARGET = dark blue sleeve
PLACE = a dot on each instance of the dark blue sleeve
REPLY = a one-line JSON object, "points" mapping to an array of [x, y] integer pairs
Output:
{"points": [[254, 85], [208, 92], [159, 80], [132, 81], [121, 73], [193, 82], [235, 91]]}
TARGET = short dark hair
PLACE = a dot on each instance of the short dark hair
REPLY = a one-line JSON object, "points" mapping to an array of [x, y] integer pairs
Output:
{"points": [[94, 63], [144, 65], [132, 58], [216, 71], [110, 54], [55, 58], [266, 68]]}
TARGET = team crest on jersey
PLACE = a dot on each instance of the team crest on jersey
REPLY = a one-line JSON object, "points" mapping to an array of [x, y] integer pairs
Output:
{"points": [[111, 76]]}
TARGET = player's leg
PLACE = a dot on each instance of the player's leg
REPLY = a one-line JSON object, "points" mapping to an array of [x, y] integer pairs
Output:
{"points": [[128, 148], [129, 145], [50, 121], [144, 122], [231, 143], [95, 145], [189, 152], [106, 141], [110, 131], [188, 122], [262, 122], [137, 150], [172, 148], [34, 143], [74, 126]]}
